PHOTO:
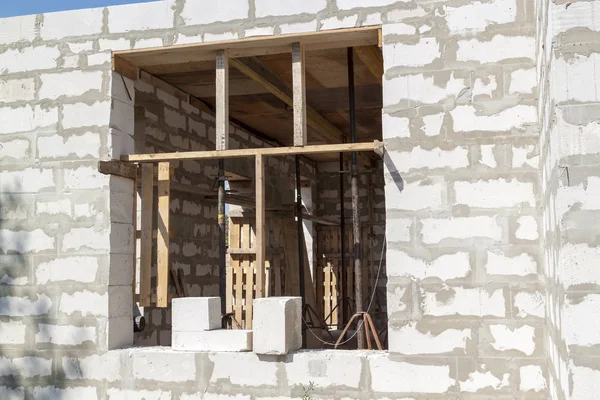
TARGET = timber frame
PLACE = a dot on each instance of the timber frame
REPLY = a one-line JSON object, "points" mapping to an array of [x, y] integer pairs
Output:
{"points": [[242, 55]]}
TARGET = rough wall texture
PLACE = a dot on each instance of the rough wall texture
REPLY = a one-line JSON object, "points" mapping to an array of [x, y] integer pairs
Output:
{"points": [[462, 114], [570, 169]]}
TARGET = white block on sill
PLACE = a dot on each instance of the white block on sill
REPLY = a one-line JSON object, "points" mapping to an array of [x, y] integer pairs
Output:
{"points": [[216, 340], [193, 314], [277, 325]]}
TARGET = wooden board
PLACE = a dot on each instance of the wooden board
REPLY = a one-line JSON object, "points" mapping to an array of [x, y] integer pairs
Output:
{"points": [[147, 234], [162, 241], [260, 243], [182, 55]]}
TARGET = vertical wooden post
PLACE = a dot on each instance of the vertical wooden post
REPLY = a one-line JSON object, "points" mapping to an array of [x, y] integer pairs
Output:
{"points": [[134, 211], [260, 226], [222, 143], [162, 243], [298, 67], [222, 100], [146, 234]]}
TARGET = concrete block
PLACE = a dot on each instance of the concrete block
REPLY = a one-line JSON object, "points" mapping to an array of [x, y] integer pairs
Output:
{"points": [[216, 37], [66, 335], [504, 47], [84, 178], [119, 332], [468, 119], [416, 378], [524, 157], [416, 195], [74, 83], [496, 193], [81, 47], [476, 302], [521, 265], [206, 12], [76, 146], [277, 325], [395, 127], [325, 368], [88, 238], [18, 150], [12, 394], [26, 367], [532, 378], [23, 242], [420, 54], [484, 380], [417, 338], [476, 17], [435, 230], [585, 382], [29, 59], [299, 27], [521, 339], [164, 365], [216, 396], [444, 267], [432, 124], [85, 303], [30, 180], [58, 25], [261, 31], [77, 269], [527, 228], [78, 393], [12, 90], [12, 333], [579, 263], [581, 321], [523, 81], [529, 305], [193, 314], [215, 340], [17, 29], [28, 118], [265, 8], [114, 44], [243, 369], [140, 17], [339, 22], [350, 4], [118, 394], [418, 158], [80, 114], [487, 156], [122, 238], [187, 39], [58, 207], [99, 58], [398, 229], [421, 89], [97, 367]]}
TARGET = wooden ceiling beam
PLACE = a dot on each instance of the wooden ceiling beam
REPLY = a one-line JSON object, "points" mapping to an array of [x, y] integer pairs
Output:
{"points": [[372, 58], [260, 73]]}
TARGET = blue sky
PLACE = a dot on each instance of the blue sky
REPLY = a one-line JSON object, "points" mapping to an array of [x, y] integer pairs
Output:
{"points": [[10, 8]]}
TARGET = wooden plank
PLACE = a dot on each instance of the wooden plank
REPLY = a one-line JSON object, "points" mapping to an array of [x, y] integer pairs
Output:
{"points": [[146, 239], [222, 100], [239, 288], [162, 242], [118, 168], [373, 59], [327, 299], [260, 243], [299, 94], [190, 53], [239, 153], [249, 273], [124, 67], [135, 240]]}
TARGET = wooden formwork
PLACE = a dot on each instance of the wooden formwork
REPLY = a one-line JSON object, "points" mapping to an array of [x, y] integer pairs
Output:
{"points": [[241, 272], [329, 270]]}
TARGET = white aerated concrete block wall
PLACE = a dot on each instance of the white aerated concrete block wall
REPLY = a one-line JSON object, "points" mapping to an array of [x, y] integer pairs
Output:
{"points": [[227, 340], [277, 325], [490, 128]]}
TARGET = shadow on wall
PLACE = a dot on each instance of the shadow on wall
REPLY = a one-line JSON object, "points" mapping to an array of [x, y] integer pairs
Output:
{"points": [[25, 371], [393, 171]]}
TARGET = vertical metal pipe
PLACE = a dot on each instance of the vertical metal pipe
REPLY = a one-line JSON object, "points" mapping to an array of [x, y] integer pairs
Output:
{"points": [[222, 243], [360, 337], [344, 272], [300, 244]]}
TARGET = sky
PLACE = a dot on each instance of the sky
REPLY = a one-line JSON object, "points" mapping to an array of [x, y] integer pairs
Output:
{"points": [[11, 8]]}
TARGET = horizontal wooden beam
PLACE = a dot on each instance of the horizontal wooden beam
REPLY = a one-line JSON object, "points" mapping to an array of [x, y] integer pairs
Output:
{"points": [[239, 153], [118, 168], [277, 44]]}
